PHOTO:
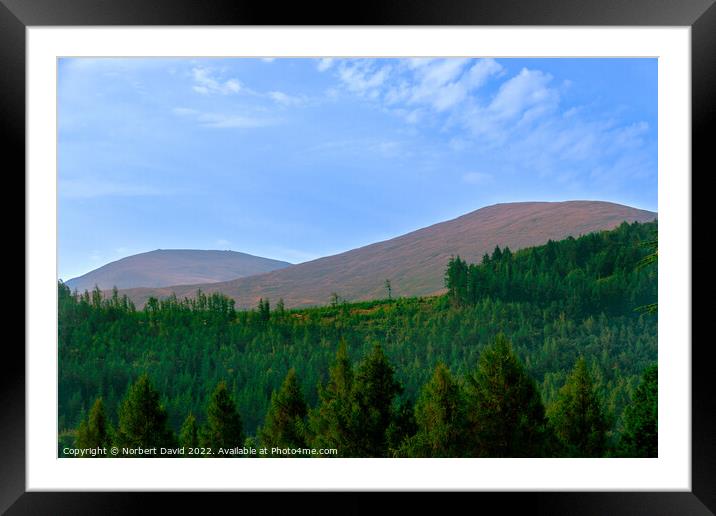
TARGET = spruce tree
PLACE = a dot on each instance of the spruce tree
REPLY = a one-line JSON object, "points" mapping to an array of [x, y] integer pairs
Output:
{"points": [[143, 421], [95, 431], [189, 433], [374, 393], [505, 411], [401, 429], [577, 415], [331, 422], [223, 427], [440, 414], [284, 426], [640, 437]]}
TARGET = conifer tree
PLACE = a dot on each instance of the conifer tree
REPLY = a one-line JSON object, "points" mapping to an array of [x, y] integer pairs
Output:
{"points": [[441, 418], [284, 426], [95, 431], [374, 392], [223, 427], [640, 437], [401, 429], [577, 415], [331, 422], [505, 411], [143, 421], [189, 433]]}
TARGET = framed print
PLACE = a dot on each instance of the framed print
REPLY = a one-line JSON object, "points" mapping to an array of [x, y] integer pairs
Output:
{"points": [[418, 247]]}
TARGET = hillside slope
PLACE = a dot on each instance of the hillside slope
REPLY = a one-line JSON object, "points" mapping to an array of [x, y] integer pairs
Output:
{"points": [[415, 262], [165, 267]]}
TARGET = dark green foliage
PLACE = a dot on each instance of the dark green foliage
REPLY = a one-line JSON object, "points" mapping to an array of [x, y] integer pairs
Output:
{"points": [[641, 417], [356, 409], [187, 346], [505, 412], [332, 421], [285, 421], [143, 421], [594, 273], [223, 428], [648, 260], [577, 415], [95, 432], [264, 310], [401, 429], [189, 433], [441, 418], [374, 392]]}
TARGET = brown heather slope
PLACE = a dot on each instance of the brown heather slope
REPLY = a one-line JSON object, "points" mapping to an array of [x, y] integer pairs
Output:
{"points": [[415, 262], [165, 267]]}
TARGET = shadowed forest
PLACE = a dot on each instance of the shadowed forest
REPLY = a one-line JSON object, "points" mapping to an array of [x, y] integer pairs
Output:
{"points": [[548, 351]]}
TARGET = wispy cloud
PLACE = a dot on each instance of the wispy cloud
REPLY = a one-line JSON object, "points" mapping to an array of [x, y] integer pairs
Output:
{"points": [[363, 77], [227, 121], [206, 82], [324, 64], [477, 178], [285, 99], [519, 117], [224, 120]]}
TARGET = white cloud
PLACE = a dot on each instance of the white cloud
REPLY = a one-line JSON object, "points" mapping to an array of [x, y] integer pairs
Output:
{"points": [[228, 121], [363, 78], [205, 83], [284, 99], [182, 111], [223, 120], [324, 64], [268, 59], [481, 71], [527, 90], [441, 84], [222, 242], [477, 178]]}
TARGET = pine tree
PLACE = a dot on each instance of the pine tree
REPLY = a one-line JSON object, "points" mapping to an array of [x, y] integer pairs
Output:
{"points": [[441, 418], [578, 416], [401, 429], [331, 422], [284, 426], [640, 437], [189, 433], [374, 393], [388, 289], [143, 422], [223, 427], [95, 431], [505, 411]]}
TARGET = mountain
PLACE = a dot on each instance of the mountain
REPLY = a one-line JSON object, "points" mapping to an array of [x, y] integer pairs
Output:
{"points": [[165, 267], [415, 262]]}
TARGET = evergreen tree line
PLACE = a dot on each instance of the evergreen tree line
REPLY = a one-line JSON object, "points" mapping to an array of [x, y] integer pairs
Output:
{"points": [[187, 347], [496, 411], [598, 272]]}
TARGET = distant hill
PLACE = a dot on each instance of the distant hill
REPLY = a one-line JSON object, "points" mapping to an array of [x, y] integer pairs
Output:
{"points": [[165, 267], [415, 262]]}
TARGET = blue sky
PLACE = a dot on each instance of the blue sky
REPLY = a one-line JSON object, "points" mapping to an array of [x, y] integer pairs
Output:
{"points": [[295, 159]]}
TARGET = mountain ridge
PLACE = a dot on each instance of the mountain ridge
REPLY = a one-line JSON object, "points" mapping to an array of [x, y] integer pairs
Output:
{"points": [[414, 262], [167, 267]]}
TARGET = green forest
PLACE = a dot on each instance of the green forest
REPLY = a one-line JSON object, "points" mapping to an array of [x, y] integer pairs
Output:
{"points": [[548, 351]]}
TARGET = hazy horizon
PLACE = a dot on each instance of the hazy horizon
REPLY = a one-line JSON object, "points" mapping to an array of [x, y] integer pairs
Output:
{"points": [[295, 159]]}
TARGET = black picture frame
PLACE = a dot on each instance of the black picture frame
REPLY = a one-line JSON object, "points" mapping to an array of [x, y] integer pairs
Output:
{"points": [[700, 15]]}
